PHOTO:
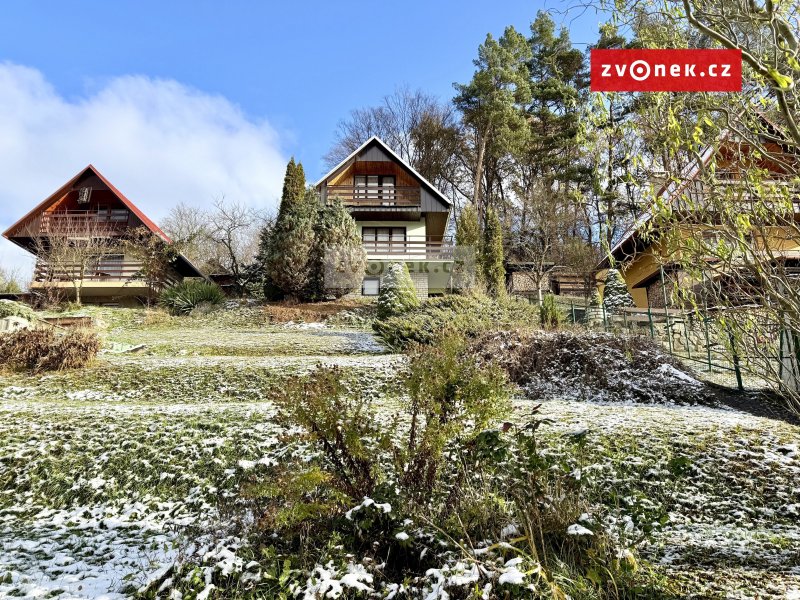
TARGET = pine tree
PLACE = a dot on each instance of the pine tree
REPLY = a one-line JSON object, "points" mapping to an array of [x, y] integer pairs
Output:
{"points": [[615, 292], [257, 275], [397, 293], [494, 273], [491, 104], [294, 186], [338, 256], [288, 263]]}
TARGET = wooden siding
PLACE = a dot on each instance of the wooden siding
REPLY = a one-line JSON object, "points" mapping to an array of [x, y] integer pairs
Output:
{"points": [[431, 203], [361, 167], [374, 153]]}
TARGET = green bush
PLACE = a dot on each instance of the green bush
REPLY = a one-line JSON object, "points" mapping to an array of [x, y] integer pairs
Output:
{"points": [[467, 314], [9, 308], [615, 292], [397, 292], [550, 315], [184, 297]]}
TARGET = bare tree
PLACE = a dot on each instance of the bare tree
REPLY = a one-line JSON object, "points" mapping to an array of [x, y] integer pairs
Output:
{"points": [[73, 248], [543, 237], [11, 281], [422, 130], [188, 227], [727, 219], [156, 259], [234, 230]]}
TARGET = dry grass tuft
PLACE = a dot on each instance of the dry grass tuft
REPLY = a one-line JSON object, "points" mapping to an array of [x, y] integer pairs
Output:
{"points": [[43, 350], [316, 312]]}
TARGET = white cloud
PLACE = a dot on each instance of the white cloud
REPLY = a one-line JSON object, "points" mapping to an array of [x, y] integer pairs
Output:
{"points": [[158, 141]]}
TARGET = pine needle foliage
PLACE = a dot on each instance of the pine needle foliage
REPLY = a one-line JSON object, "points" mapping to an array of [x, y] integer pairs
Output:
{"points": [[615, 292], [288, 263], [338, 256], [397, 293], [494, 273]]}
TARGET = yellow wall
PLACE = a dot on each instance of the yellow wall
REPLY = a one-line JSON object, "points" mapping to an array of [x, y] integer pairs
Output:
{"points": [[646, 263]]}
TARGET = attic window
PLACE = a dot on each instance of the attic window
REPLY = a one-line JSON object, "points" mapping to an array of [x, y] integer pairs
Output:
{"points": [[375, 187], [84, 194]]}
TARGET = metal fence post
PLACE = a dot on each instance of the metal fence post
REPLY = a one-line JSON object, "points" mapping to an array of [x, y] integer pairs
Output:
{"points": [[708, 342], [686, 331], [666, 310], [650, 320], [605, 322], [736, 369]]}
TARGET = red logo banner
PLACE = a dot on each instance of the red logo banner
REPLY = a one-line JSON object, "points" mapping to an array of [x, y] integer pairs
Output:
{"points": [[666, 70]]}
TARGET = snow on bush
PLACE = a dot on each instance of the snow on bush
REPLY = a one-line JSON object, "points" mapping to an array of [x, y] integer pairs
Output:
{"points": [[615, 292], [590, 366], [9, 308], [397, 293]]}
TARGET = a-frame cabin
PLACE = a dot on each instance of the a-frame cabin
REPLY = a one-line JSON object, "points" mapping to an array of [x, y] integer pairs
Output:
{"points": [[89, 210]]}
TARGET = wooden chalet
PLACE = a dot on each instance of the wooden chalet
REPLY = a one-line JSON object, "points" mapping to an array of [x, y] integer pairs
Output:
{"points": [[650, 269], [89, 210], [401, 216]]}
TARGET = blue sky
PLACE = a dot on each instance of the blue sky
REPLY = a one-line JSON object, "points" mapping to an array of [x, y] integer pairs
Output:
{"points": [[160, 93]]}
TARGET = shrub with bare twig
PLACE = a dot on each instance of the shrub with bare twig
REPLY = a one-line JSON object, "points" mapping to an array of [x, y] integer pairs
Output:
{"points": [[44, 350]]}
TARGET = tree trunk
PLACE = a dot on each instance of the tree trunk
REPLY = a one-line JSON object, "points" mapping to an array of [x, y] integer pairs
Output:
{"points": [[476, 193]]}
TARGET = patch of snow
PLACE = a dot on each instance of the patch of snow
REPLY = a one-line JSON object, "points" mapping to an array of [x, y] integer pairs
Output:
{"points": [[576, 529], [670, 371]]}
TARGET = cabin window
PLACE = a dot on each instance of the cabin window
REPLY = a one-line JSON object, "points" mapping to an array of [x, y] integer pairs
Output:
{"points": [[109, 265], [371, 286], [386, 239], [387, 194], [375, 187], [114, 215]]}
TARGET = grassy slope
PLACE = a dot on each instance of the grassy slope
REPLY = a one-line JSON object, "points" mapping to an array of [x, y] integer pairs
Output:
{"points": [[100, 470]]}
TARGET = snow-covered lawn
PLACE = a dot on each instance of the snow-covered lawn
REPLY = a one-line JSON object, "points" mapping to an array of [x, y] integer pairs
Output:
{"points": [[730, 482], [108, 475]]}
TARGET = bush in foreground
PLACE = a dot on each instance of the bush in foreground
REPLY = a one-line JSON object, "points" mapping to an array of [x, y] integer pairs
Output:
{"points": [[43, 350], [436, 502], [184, 297]]}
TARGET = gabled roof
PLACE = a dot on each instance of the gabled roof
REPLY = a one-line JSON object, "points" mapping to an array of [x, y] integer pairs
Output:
{"points": [[378, 141], [183, 264], [60, 192]]}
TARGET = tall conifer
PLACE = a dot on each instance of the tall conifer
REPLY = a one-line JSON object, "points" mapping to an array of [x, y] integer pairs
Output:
{"points": [[289, 255]]}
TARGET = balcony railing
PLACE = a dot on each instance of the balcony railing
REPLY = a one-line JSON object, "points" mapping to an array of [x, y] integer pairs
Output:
{"points": [[418, 248], [100, 271], [76, 222], [379, 195]]}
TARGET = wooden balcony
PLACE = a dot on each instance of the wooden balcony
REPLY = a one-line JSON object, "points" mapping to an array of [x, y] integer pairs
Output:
{"points": [[100, 271], [411, 249], [375, 195], [77, 222]]}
